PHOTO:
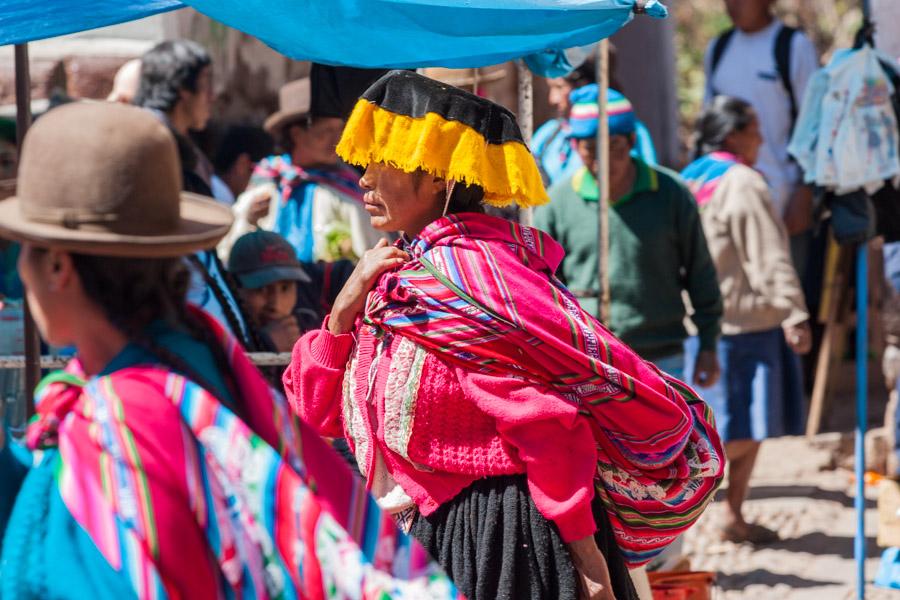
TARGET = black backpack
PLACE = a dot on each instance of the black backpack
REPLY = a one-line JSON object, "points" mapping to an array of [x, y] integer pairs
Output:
{"points": [[782, 51]]}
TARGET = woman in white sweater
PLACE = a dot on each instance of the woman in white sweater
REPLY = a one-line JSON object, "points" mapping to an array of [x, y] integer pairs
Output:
{"points": [[765, 323]]}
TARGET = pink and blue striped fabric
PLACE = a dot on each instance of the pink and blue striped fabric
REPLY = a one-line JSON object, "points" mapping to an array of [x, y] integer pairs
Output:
{"points": [[704, 175], [153, 466], [481, 292]]}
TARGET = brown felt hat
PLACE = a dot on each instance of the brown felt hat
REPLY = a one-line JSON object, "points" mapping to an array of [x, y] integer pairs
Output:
{"points": [[294, 102], [103, 178]]}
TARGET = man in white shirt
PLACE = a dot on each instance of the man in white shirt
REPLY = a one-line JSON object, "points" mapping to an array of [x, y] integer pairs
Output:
{"points": [[744, 63]]}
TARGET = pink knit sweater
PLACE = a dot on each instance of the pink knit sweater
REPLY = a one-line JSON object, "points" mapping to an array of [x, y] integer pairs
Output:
{"points": [[439, 428]]}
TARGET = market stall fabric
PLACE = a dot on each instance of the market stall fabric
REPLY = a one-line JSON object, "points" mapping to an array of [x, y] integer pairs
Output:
{"points": [[26, 21], [360, 33]]}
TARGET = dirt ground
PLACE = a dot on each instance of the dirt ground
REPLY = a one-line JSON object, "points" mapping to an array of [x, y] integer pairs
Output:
{"points": [[797, 491]]}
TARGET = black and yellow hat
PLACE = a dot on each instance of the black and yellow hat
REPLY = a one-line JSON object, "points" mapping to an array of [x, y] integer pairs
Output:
{"points": [[412, 122]]}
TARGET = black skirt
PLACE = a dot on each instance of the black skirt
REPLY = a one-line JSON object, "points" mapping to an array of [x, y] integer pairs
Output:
{"points": [[494, 543]]}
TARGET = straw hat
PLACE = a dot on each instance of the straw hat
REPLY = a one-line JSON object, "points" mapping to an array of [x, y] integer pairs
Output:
{"points": [[105, 179], [294, 102]]}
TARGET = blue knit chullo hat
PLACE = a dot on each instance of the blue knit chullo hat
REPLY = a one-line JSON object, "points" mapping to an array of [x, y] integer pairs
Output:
{"points": [[584, 118]]}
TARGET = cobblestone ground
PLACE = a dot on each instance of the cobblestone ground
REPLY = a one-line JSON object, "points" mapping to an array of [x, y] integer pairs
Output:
{"points": [[797, 491]]}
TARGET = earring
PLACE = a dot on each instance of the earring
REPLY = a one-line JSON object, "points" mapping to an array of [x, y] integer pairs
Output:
{"points": [[450, 186]]}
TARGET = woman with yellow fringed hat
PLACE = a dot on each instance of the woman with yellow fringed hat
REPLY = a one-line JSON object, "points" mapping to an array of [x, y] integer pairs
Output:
{"points": [[488, 412]]}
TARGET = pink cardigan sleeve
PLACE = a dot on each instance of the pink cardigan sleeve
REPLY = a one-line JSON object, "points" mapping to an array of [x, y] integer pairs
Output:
{"points": [[551, 438], [314, 379]]}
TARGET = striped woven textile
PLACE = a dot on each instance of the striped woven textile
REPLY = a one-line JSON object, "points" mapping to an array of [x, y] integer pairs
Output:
{"points": [[280, 512], [705, 174], [481, 292]]}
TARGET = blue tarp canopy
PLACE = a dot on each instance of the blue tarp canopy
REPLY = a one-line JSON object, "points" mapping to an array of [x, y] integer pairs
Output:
{"points": [[29, 20], [362, 33]]}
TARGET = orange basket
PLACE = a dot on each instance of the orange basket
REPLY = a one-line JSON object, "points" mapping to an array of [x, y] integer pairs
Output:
{"points": [[686, 585]]}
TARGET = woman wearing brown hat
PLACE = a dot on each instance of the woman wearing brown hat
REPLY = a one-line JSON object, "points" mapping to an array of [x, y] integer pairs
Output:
{"points": [[159, 463], [530, 451]]}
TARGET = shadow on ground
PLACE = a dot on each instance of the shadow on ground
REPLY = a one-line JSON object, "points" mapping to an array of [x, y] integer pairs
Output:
{"points": [[819, 543], [769, 492], [739, 581]]}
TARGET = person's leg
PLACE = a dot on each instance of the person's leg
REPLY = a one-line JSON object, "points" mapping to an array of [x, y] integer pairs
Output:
{"points": [[741, 456], [758, 390]]}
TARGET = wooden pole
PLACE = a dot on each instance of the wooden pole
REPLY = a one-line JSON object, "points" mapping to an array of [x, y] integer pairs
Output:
{"points": [[837, 265], [603, 181], [23, 122], [526, 120]]}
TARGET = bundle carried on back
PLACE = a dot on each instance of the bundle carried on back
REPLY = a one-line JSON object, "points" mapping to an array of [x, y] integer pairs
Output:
{"points": [[481, 292]]}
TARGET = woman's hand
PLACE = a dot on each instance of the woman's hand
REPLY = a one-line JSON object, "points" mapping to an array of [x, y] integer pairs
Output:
{"points": [[259, 207], [352, 298], [593, 573], [799, 337]]}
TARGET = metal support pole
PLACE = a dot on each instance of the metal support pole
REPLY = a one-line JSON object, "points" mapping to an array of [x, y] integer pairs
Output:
{"points": [[603, 181], [23, 122], [862, 388], [526, 120]]}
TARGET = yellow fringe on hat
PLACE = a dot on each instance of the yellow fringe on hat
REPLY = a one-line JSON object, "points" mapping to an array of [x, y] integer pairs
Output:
{"points": [[446, 149]]}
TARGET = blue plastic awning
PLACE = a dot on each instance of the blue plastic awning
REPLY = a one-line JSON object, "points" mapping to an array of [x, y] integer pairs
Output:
{"points": [[362, 33], [29, 20]]}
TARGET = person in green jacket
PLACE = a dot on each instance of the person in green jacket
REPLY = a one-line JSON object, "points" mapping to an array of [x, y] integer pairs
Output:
{"points": [[657, 247]]}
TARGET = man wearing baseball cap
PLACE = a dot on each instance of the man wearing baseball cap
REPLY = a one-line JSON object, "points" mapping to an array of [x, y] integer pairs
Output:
{"points": [[268, 271], [657, 247]]}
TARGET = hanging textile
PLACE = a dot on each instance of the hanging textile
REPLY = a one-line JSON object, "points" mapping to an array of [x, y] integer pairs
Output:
{"points": [[846, 136]]}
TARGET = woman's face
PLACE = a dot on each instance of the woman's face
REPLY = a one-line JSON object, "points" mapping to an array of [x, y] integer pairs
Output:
{"points": [[401, 201], [44, 273], [744, 143], [199, 102], [315, 145]]}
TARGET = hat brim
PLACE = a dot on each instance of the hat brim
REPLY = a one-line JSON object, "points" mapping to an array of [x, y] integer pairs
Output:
{"points": [[464, 77], [266, 275], [204, 222], [278, 120]]}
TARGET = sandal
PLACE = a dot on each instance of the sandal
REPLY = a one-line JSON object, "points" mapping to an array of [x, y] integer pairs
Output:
{"points": [[754, 534]]}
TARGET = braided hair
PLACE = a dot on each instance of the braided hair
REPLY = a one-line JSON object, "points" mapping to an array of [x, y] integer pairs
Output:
{"points": [[133, 293], [247, 335], [250, 337]]}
